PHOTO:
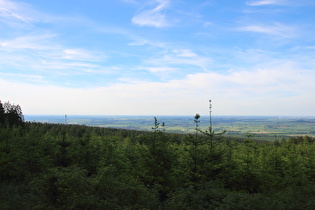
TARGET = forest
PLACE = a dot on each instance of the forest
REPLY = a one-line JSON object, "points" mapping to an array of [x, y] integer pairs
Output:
{"points": [[64, 166]]}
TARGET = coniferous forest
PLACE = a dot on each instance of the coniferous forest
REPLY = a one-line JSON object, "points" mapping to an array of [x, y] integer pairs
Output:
{"points": [[59, 166]]}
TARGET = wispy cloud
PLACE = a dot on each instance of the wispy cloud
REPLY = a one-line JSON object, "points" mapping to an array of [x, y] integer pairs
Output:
{"points": [[130, 1], [7, 14], [29, 77], [22, 17], [37, 55], [82, 55], [181, 57], [280, 2], [43, 56], [30, 42], [16, 15], [138, 43], [266, 2], [158, 69], [276, 29], [185, 53], [153, 17], [45, 46]]}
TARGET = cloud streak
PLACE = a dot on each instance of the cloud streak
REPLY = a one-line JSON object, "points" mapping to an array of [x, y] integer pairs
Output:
{"points": [[276, 29], [181, 57], [266, 2], [153, 17]]}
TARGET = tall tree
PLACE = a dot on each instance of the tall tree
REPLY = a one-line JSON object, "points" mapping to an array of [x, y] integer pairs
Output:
{"points": [[2, 118], [211, 133]]}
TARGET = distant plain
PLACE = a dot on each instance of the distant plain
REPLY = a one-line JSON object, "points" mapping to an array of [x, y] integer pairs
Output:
{"points": [[263, 127]]}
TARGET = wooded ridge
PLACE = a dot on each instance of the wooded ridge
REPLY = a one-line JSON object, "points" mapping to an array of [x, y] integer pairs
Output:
{"points": [[58, 166]]}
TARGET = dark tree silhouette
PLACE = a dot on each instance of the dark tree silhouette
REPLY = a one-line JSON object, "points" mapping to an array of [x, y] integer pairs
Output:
{"points": [[11, 114]]}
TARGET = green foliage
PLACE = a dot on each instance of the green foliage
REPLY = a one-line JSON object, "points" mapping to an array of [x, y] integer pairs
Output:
{"points": [[55, 166]]}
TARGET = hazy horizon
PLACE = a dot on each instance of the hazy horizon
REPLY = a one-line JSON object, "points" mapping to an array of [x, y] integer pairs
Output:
{"points": [[192, 116]]}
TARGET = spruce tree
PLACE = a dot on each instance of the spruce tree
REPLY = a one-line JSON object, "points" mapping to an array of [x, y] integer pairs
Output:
{"points": [[11, 114], [2, 116]]}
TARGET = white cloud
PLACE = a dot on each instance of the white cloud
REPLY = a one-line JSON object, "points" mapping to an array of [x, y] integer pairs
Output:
{"points": [[153, 17], [281, 90], [82, 55], [46, 55]]}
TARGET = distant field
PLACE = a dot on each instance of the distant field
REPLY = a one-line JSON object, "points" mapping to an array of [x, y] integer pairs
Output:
{"points": [[262, 127]]}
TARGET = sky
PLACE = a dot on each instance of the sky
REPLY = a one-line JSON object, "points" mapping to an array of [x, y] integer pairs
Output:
{"points": [[158, 57]]}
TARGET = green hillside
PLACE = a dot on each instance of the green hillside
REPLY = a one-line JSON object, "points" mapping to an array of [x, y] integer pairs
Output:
{"points": [[58, 166]]}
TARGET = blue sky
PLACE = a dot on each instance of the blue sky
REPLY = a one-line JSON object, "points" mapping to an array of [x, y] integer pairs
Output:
{"points": [[158, 57]]}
